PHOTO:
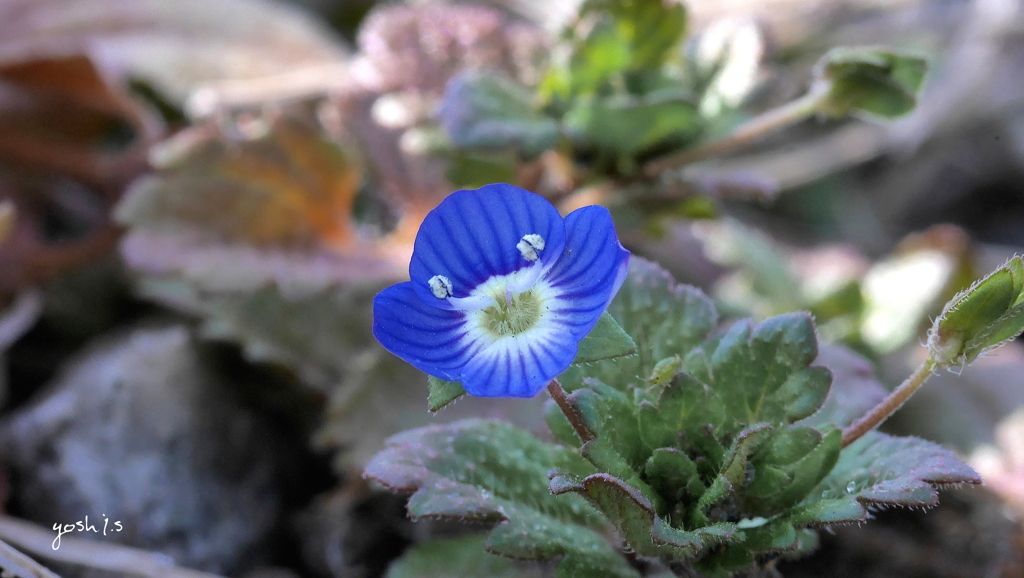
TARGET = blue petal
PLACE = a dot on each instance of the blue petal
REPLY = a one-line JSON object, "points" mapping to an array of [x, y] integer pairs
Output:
{"points": [[472, 236], [590, 271], [430, 339], [519, 366]]}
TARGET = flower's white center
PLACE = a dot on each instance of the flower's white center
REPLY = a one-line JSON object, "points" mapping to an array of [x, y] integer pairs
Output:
{"points": [[504, 305], [511, 316], [530, 245], [440, 286]]}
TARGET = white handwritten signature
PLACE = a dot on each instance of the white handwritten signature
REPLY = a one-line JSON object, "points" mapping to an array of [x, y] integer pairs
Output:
{"points": [[84, 526]]}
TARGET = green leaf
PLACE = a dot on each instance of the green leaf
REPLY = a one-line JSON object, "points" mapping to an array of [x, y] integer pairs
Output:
{"points": [[611, 415], [663, 318], [624, 126], [879, 81], [636, 520], [687, 408], [674, 475], [882, 470], [474, 168], [803, 475], [732, 476], [440, 393], [855, 389], [821, 512], [483, 109], [477, 470], [464, 556], [651, 28], [762, 373], [607, 340], [625, 38]]}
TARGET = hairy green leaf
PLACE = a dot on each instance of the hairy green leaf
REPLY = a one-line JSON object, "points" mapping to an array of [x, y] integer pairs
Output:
{"points": [[636, 519], [440, 393], [883, 470], [484, 471], [761, 372]]}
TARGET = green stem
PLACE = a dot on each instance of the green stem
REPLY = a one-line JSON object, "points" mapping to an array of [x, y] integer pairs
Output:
{"points": [[890, 404], [748, 132], [558, 394]]}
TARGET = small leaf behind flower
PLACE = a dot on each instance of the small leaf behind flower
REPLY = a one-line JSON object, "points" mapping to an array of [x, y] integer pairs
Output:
{"points": [[607, 340], [441, 393]]}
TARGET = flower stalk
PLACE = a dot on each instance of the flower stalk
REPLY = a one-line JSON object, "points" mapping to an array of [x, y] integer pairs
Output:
{"points": [[891, 403], [575, 419], [777, 118]]}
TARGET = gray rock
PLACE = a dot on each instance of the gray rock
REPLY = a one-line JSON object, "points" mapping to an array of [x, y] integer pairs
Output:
{"points": [[139, 431]]}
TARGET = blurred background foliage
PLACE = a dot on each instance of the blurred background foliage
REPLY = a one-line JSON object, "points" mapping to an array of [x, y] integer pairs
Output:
{"points": [[201, 197]]}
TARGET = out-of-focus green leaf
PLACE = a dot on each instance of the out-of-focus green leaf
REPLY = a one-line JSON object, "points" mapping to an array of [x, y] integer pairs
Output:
{"points": [[625, 37], [464, 557], [624, 126], [879, 81], [474, 169], [483, 471], [486, 110]]}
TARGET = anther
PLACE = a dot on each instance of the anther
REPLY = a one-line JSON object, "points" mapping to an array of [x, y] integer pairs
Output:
{"points": [[530, 245], [440, 286]]}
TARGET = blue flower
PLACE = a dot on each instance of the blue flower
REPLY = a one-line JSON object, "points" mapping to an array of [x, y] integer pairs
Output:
{"points": [[503, 290]]}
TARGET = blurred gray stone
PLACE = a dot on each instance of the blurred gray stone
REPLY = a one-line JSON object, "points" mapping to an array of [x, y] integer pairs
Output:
{"points": [[138, 430]]}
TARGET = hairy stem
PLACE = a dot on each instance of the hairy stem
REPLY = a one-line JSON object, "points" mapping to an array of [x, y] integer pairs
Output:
{"points": [[558, 394], [748, 132], [890, 404]]}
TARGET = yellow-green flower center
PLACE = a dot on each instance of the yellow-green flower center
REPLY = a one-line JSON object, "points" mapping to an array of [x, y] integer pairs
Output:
{"points": [[512, 316]]}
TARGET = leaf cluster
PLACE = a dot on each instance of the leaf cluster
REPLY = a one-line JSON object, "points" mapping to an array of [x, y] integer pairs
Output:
{"points": [[712, 448], [621, 87]]}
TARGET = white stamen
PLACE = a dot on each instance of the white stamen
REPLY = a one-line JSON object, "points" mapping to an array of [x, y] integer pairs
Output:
{"points": [[440, 286], [529, 245]]}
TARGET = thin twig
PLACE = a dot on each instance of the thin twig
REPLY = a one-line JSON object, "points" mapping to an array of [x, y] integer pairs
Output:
{"points": [[558, 394], [748, 132], [890, 404]]}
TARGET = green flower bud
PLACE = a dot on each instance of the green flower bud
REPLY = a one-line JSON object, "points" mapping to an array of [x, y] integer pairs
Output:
{"points": [[986, 315]]}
